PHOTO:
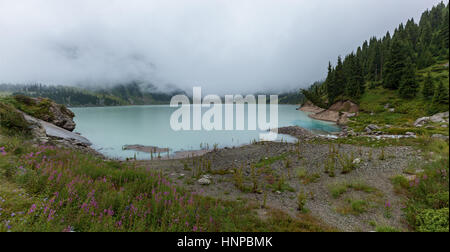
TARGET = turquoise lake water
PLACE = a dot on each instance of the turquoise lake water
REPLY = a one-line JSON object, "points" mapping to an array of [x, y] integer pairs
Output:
{"points": [[110, 128]]}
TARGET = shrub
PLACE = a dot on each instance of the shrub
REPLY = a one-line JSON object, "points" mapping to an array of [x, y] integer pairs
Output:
{"points": [[431, 220], [301, 201], [386, 229], [12, 121]]}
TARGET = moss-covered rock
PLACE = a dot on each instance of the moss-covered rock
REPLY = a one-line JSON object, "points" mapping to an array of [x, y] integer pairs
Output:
{"points": [[46, 110]]}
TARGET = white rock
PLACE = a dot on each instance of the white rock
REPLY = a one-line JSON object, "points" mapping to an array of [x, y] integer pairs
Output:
{"points": [[421, 121], [356, 161], [440, 117], [204, 181], [440, 136]]}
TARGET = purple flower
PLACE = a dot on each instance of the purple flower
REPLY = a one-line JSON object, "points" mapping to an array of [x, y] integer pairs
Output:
{"points": [[387, 204]]}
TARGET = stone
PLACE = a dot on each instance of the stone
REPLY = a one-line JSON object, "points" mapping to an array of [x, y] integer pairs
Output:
{"points": [[437, 118], [440, 117], [204, 181], [372, 127], [440, 136], [410, 133], [420, 122]]}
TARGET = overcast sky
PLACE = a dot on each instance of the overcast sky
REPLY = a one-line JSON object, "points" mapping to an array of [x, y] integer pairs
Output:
{"points": [[225, 46]]}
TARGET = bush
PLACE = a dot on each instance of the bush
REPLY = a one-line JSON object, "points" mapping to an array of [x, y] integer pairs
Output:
{"points": [[11, 121], [387, 229], [431, 220], [438, 200]]}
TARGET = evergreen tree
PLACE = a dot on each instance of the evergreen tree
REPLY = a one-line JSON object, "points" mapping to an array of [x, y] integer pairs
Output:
{"points": [[441, 94], [408, 85], [440, 99], [339, 80], [395, 66], [428, 87]]}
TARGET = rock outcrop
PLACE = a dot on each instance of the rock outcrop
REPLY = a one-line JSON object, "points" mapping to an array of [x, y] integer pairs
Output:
{"points": [[310, 107], [337, 113], [47, 110], [44, 131]]}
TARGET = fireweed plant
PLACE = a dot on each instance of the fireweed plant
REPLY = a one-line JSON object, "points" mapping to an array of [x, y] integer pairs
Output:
{"points": [[56, 190], [79, 192]]}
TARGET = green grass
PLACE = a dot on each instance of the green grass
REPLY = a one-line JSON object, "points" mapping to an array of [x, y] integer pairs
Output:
{"points": [[339, 189], [406, 110], [266, 162], [387, 229], [67, 190], [353, 207]]}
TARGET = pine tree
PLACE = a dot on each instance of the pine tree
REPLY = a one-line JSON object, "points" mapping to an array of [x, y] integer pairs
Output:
{"points": [[408, 85], [395, 66], [444, 30], [339, 80], [440, 99], [441, 94], [428, 87], [425, 59]]}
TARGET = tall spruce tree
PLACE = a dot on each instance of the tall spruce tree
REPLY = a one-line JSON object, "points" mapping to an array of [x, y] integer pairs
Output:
{"points": [[440, 99], [395, 66], [428, 87], [408, 84], [339, 80], [441, 94]]}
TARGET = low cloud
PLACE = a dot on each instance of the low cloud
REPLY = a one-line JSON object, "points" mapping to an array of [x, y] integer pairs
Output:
{"points": [[225, 46]]}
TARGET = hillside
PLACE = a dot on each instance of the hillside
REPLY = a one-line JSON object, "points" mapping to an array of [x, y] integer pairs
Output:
{"points": [[399, 62], [126, 94]]}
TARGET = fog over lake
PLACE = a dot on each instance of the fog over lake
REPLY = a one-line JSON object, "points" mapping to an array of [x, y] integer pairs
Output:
{"points": [[225, 46]]}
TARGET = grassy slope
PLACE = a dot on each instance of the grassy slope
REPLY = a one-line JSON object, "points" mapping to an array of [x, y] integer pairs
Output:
{"points": [[427, 197], [49, 189], [406, 110]]}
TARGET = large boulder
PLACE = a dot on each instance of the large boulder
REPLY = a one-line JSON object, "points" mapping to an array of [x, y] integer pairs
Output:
{"points": [[47, 110], [371, 127], [440, 117], [420, 122], [437, 118]]}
